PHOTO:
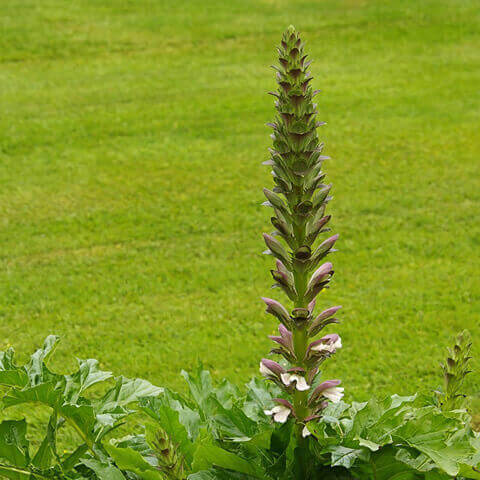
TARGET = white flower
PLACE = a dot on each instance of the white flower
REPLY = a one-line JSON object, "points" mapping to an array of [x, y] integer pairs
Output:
{"points": [[334, 394], [328, 347], [300, 382], [280, 413], [306, 432]]}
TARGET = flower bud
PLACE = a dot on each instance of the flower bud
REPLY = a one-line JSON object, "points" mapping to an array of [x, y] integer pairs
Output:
{"points": [[323, 249], [275, 200], [306, 432], [320, 274], [282, 226], [285, 282], [285, 340], [277, 309], [282, 268], [276, 248], [322, 320], [321, 196], [319, 280], [316, 227]]}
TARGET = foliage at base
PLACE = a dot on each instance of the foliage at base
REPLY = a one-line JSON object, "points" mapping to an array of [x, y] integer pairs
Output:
{"points": [[219, 432]]}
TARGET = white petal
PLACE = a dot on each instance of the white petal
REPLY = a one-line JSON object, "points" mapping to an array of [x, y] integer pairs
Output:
{"points": [[306, 432], [334, 394], [272, 411], [302, 384], [323, 347], [264, 370], [282, 415], [338, 344]]}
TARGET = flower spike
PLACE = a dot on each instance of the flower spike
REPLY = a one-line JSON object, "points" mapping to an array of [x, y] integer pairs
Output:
{"points": [[299, 199]]}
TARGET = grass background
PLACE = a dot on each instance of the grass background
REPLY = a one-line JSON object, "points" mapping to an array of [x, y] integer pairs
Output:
{"points": [[131, 138]]}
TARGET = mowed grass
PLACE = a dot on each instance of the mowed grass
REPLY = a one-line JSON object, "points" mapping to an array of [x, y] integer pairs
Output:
{"points": [[131, 140]]}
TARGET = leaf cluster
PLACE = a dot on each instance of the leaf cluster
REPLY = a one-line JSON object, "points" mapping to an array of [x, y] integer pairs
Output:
{"points": [[219, 432], [92, 419]]}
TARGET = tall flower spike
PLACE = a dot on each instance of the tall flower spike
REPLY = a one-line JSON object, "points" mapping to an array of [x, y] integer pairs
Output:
{"points": [[299, 200]]}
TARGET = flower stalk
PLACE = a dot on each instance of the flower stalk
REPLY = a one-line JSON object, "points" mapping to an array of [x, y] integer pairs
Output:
{"points": [[299, 200]]}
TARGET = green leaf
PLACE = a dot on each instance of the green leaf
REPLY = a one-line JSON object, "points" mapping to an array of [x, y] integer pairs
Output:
{"points": [[13, 442], [219, 474], [104, 471], [259, 398], [131, 460], [203, 475], [429, 432], [13, 378], [376, 421], [227, 394], [42, 393], [385, 465], [168, 419], [113, 405], [6, 360], [125, 392], [207, 456], [470, 472], [139, 444], [87, 375], [231, 424], [36, 368], [201, 388], [188, 417], [346, 457], [82, 417], [217, 408]]}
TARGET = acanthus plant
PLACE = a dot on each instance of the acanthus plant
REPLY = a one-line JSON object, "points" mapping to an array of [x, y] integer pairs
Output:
{"points": [[299, 201], [292, 426]]}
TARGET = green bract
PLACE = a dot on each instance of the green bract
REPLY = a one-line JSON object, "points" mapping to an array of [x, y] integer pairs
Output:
{"points": [[292, 426]]}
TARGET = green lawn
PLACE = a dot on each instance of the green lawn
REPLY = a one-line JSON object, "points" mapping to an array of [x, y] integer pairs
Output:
{"points": [[131, 140]]}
